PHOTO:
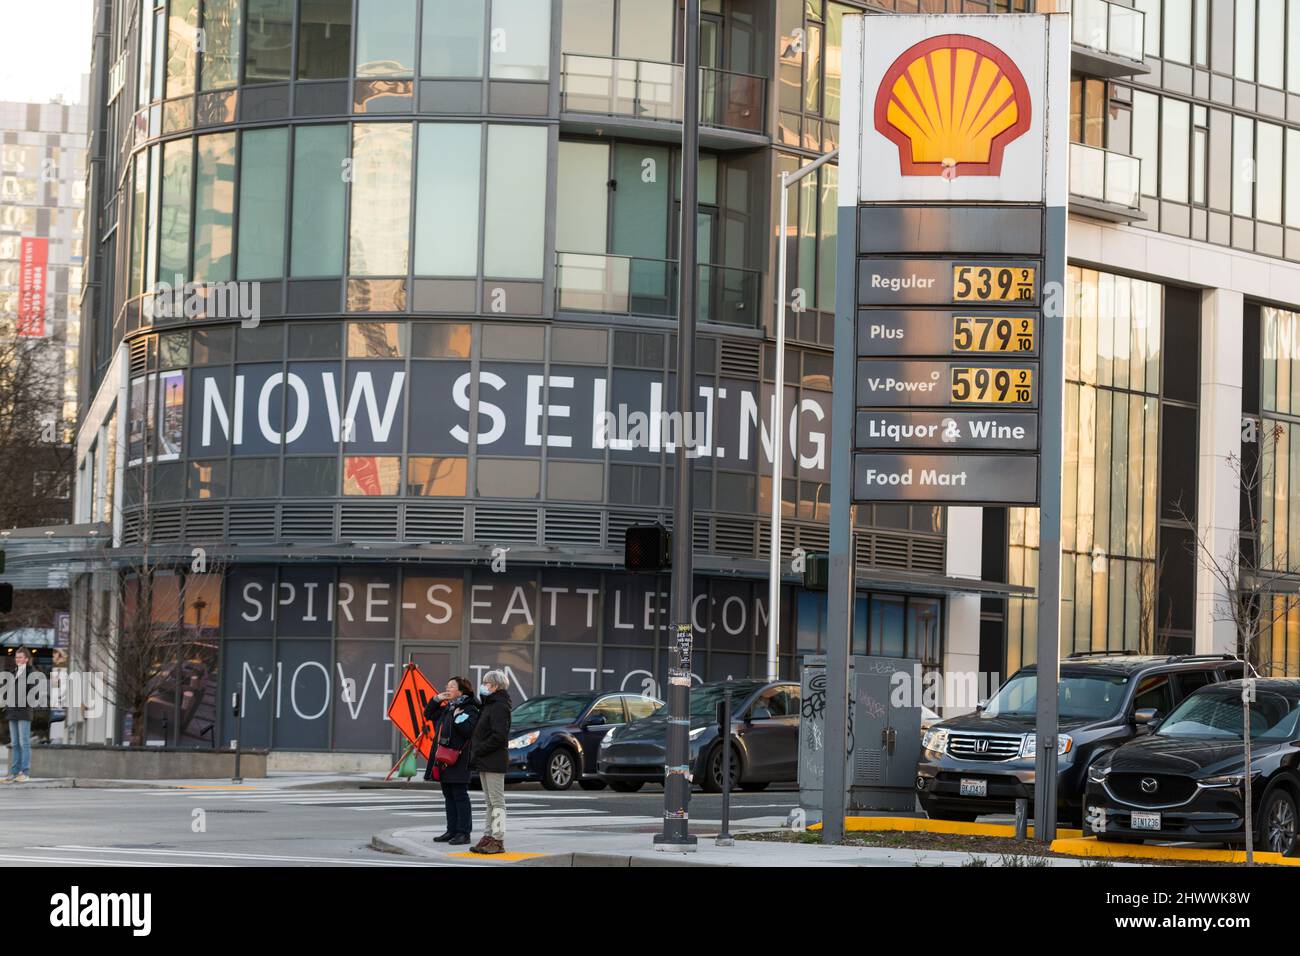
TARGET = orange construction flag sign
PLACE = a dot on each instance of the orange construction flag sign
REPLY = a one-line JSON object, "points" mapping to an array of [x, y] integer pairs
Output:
{"points": [[407, 709]]}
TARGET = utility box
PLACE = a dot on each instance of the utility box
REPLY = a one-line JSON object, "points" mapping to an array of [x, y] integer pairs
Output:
{"points": [[884, 736]]}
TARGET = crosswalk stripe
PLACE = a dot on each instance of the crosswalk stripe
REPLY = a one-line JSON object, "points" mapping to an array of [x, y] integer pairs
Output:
{"points": [[66, 860], [230, 855]]}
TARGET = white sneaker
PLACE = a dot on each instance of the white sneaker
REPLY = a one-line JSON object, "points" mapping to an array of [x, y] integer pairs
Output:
{"points": [[8, 778], [21, 778]]}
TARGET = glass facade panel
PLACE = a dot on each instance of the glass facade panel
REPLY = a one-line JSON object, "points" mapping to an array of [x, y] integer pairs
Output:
{"points": [[1175, 133], [447, 197], [582, 197], [1272, 42], [214, 207], [222, 30], [318, 189], [1243, 61], [178, 168], [645, 30], [381, 199], [452, 41], [264, 159], [1268, 172], [1243, 165], [514, 228], [269, 57], [385, 38], [587, 27], [182, 31], [324, 39], [521, 40]]}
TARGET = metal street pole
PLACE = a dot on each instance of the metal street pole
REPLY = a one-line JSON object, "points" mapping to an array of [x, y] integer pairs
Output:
{"points": [[677, 779], [778, 413]]}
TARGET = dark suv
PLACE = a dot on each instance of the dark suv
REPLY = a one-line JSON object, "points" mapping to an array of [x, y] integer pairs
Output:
{"points": [[982, 762]]}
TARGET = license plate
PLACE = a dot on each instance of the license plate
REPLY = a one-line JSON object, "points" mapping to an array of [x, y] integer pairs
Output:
{"points": [[973, 788], [1145, 821]]}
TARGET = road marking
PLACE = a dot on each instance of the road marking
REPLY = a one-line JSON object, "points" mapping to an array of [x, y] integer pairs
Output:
{"points": [[230, 855], [66, 860]]}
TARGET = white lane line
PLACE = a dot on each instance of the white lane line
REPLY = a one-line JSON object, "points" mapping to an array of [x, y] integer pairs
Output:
{"points": [[66, 860], [227, 855]]}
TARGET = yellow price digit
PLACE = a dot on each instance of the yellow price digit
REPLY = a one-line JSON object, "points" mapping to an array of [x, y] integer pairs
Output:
{"points": [[993, 386], [991, 333], [994, 283]]}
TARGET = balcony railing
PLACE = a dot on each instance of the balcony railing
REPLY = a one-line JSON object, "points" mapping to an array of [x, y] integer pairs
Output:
{"points": [[650, 90], [1109, 28], [1104, 176], [627, 285]]}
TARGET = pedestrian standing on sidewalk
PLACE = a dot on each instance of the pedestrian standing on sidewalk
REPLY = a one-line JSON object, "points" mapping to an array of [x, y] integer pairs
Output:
{"points": [[454, 714], [20, 721], [491, 757]]}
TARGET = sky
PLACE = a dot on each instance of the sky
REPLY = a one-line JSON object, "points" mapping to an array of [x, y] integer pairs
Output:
{"points": [[44, 49]]}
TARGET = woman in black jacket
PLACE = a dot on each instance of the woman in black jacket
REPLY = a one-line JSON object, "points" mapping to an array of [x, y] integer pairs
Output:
{"points": [[454, 713]]}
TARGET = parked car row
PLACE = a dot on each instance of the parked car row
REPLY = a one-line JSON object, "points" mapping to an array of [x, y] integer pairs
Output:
{"points": [[1148, 748]]}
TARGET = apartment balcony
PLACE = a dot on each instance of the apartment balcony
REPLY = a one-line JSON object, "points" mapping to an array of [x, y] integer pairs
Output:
{"points": [[1105, 185], [631, 286], [1108, 39], [645, 96]]}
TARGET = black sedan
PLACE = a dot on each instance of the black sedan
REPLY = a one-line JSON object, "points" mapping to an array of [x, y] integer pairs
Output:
{"points": [[1185, 781], [764, 736], [554, 739]]}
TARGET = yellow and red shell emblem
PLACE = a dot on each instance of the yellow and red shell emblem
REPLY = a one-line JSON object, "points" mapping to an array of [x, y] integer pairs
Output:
{"points": [[951, 104]]}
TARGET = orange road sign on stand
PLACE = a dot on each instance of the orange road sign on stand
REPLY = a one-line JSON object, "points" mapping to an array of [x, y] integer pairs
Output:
{"points": [[407, 709]]}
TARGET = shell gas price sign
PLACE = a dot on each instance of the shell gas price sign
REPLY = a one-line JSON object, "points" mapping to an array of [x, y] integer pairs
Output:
{"points": [[958, 198]]}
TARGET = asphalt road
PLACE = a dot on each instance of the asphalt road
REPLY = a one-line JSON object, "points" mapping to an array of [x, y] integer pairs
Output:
{"points": [[219, 826]]}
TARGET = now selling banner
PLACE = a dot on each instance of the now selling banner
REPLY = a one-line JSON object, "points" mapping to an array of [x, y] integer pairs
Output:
{"points": [[31, 287]]}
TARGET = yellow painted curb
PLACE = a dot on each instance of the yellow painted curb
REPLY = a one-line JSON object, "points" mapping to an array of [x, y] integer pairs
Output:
{"points": [[1093, 847], [925, 825], [501, 857]]}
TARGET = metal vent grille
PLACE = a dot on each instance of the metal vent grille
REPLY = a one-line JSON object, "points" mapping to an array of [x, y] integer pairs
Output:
{"points": [[700, 539], [581, 528], [889, 551], [139, 357], [165, 524], [492, 525], [814, 538], [435, 523], [252, 522], [867, 767], [619, 521], [314, 522], [368, 522], [205, 522], [131, 528], [928, 555], [732, 536], [740, 358]]}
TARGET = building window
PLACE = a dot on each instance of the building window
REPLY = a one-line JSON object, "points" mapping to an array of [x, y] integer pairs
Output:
{"points": [[264, 159], [177, 169], [385, 38], [324, 39], [437, 477], [214, 208], [452, 41], [514, 228], [318, 169], [182, 30], [381, 199], [523, 51], [372, 475], [221, 30], [1243, 63], [447, 213], [270, 41]]}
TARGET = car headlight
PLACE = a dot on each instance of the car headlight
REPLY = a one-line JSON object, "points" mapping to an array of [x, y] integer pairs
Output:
{"points": [[935, 740], [608, 739], [523, 740], [1064, 744], [1228, 779], [694, 735], [1098, 774]]}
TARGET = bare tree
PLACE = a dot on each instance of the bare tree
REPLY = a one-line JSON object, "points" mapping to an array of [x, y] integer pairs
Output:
{"points": [[35, 437], [1253, 581]]}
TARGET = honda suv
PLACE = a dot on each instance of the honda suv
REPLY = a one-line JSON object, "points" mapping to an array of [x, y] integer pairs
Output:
{"points": [[983, 762]]}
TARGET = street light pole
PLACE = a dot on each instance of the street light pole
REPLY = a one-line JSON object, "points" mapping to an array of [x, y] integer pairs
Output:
{"points": [[677, 779], [778, 413]]}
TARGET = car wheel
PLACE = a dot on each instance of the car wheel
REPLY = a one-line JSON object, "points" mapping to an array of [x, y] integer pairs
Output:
{"points": [[754, 786], [592, 784], [626, 786], [956, 816], [712, 782], [1277, 824], [561, 769]]}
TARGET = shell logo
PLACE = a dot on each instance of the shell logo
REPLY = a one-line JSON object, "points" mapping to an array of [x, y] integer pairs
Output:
{"points": [[951, 104]]}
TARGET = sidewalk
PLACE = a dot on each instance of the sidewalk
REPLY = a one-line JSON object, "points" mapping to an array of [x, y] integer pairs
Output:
{"points": [[549, 846]]}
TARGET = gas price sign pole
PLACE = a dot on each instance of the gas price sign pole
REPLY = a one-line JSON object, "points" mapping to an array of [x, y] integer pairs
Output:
{"points": [[950, 304]]}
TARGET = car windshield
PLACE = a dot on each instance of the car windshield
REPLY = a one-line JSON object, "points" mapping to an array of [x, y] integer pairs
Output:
{"points": [[1087, 697], [561, 709], [1218, 714], [705, 700]]}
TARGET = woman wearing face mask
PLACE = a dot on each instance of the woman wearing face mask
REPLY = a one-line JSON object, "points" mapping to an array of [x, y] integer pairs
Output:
{"points": [[490, 757], [454, 714]]}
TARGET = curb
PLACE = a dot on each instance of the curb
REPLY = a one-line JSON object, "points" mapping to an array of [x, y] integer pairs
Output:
{"points": [[926, 825], [1092, 847], [621, 860]]}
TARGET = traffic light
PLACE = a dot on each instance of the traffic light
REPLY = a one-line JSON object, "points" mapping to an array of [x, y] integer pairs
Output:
{"points": [[647, 547], [817, 571]]}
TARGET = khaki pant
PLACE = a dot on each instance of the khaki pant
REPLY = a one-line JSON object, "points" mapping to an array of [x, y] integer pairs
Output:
{"points": [[494, 793]]}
